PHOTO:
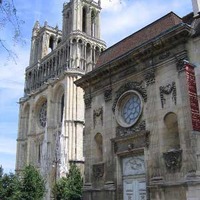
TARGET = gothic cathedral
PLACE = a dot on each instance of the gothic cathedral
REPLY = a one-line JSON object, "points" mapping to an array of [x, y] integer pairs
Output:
{"points": [[51, 119], [133, 121]]}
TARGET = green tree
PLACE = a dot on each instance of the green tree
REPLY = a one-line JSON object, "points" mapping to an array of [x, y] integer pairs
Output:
{"points": [[32, 184], [9, 186], [60, 190], [28, 186], [70, 187]]}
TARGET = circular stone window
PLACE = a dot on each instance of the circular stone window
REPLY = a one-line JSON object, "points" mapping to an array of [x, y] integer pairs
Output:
{"points": [[129, 109], [43, 114]]}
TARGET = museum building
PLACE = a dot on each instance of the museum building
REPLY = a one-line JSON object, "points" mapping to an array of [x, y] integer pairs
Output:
{"points": [[142, 122]]}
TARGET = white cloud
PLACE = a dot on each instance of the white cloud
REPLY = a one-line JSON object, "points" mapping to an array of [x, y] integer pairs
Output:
{"points": [[112, 5], [122, 19]]}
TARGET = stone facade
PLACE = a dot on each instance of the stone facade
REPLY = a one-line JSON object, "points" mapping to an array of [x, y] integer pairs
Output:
{"points": [[142, 122], [51, 119]]}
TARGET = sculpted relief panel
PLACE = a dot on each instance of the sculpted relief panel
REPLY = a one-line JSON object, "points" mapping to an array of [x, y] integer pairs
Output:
{"points": [[133, 165]]}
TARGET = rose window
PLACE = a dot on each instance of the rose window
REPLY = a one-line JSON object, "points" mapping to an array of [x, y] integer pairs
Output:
{"points": [[129, 108]]}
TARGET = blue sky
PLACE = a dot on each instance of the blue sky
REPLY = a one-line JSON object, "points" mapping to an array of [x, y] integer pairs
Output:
{"points": [[119, 19]]}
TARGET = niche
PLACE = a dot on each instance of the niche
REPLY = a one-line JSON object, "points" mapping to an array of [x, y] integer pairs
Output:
{"points": [[171, 133]]}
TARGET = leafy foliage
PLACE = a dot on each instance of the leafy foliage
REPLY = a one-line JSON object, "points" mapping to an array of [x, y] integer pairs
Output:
{"points": [[32, 184], [60, 189], [29, 186], [70, 187], [9, 186]]}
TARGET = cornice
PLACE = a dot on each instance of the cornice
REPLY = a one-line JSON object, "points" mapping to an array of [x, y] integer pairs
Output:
{"points": [[167, 40]]}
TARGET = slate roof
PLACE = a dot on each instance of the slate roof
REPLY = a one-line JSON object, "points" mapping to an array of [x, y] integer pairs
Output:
{"points": [[138, 38]]}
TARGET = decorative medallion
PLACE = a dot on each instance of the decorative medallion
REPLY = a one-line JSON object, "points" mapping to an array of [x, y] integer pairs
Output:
{"points": [[173, 160], [98, 113], [166, 90], [43, 114], [129, 109], [98, 170], [129, 86]]}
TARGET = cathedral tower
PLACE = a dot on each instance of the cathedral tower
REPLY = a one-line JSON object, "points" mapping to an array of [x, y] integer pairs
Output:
{"points": [[51, 118]]}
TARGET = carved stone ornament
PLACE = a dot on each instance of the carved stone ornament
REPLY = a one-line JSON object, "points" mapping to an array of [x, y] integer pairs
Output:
{"points": [[180, 64], [166, 90], [98, 170], [173, 160], [108, 94], [130, 146], [121, 131], [131, 143], [98, 113], [150, 77], [130, 86], [164, 55], [88, 101], [133, 165]]}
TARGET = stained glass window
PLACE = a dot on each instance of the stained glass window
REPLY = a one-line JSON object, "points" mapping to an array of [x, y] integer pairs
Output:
{"points": [[131, 109]]}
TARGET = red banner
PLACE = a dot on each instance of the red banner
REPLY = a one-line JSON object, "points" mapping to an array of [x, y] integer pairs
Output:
{"points": [[194, 106]]}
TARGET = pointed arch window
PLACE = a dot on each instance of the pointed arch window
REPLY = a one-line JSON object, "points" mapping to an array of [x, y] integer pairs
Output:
{"points": [[43, 114], [51, 43], [84, 19], [59, 41], [62, 107]]}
